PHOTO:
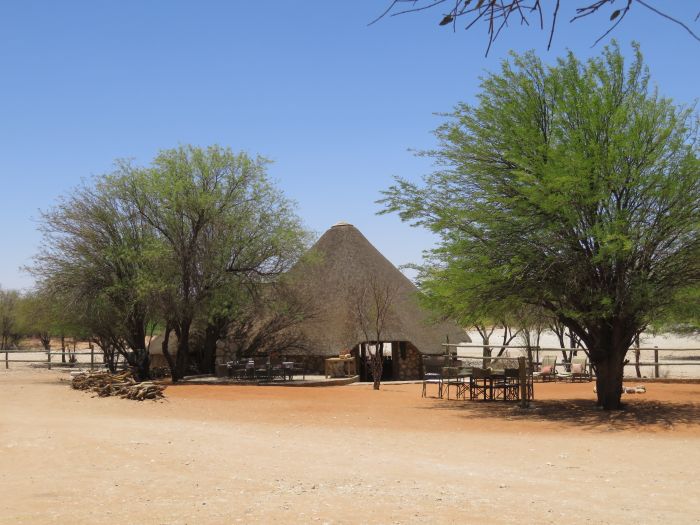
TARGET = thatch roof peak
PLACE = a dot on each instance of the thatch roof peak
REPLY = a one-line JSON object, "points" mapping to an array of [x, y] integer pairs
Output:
{"points": [[345, 261]]}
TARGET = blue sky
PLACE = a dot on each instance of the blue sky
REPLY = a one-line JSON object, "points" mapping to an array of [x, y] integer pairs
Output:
{"points": [[334, 103]]}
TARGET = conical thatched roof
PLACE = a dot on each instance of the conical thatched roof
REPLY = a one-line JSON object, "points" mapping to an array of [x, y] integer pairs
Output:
{"points": [[339, 265]]}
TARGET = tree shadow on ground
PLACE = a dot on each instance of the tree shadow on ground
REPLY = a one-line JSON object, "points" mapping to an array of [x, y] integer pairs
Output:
{"points": [[583, 413]]}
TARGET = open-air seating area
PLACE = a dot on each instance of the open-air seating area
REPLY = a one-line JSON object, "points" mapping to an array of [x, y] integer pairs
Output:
{"points": [[264, 370], [496, 378], [578, 370], [499, 381]]}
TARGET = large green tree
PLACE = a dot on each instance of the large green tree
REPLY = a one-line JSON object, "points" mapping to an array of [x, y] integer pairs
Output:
{"points": [[574, 188], [96, 265], [184, 242], [224, 228]]}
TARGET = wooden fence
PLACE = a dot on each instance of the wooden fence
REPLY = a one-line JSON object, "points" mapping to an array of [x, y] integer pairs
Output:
{"points": [[656, 362], [52, 362]]}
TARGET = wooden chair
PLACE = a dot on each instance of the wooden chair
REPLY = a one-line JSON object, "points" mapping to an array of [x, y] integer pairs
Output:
{"points": [[511, 384], [464, 373], [481, 384], [451, 378]]}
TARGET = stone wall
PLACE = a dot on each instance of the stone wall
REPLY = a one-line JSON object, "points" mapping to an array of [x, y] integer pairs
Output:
{"points": [[410, 363]]}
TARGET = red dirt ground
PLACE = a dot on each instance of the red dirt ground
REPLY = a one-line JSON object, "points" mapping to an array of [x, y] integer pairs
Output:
{"points": [[248, 454]]}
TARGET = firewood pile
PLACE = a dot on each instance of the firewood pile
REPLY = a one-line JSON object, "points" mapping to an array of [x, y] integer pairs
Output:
{"points": [[123, 385]]}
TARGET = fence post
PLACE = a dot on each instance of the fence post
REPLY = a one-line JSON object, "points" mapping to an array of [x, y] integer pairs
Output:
{"points": [[656, 362], [7, 362], [522, 378], [48, 353], [92, 357]]}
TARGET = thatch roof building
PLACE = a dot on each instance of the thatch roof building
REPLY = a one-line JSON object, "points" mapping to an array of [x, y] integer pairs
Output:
{"points": [[342, 264]]}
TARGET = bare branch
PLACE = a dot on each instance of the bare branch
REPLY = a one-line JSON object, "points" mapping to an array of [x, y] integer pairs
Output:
{"points": [[554, 23], [495, 13], [674, 20]]}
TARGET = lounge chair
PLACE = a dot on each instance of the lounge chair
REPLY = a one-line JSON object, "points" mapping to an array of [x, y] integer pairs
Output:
{"points": [[548, 369], [579, 370]]}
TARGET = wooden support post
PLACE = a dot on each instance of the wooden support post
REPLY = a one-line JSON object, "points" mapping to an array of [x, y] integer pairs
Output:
{"points": [[656, 361], [522, 379], [7, 362], [92, 357], [49, 358]]}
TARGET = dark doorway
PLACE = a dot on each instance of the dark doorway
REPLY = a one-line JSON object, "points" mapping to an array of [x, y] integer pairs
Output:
{"points": [[389, 349]]}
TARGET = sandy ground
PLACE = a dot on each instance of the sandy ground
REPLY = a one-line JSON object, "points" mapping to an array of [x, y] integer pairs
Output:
{"points": [[248, 454]]}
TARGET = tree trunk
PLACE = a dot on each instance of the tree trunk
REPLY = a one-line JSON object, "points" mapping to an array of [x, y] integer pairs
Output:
{"points": [[109, 354], [166, 353], [573, 345], [208, 361], [45, 340], [182, 359], [142, 364], [377, 365], [609, 371], [486, 351]]}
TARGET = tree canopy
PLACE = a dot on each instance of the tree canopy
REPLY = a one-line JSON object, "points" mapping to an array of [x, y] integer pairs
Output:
{"points": [[574, 188], [187, 240]]}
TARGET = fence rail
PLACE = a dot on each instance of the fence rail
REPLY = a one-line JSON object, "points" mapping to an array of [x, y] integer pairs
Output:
{"points": [[656, 363], [50, 353]]}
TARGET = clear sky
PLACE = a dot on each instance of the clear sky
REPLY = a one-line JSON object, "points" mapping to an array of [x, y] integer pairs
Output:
{"points": [[334, 103]]}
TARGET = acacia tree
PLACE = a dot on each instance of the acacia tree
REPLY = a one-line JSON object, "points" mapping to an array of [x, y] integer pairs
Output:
{"points": [[39, 315], [221, 224], [94, 266], [9, 302], [573, 188]]}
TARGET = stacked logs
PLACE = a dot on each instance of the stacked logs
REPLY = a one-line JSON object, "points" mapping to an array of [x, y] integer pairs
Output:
{"points": [[123, 385]]}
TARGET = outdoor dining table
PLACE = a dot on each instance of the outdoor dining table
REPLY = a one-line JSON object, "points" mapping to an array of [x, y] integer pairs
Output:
{"points": [[486, 383]]}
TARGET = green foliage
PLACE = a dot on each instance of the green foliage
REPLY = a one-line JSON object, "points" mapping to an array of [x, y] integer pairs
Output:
{"points": [[9, 317], [221, 229], [187, 239], [682, 314], [573, 187]]}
